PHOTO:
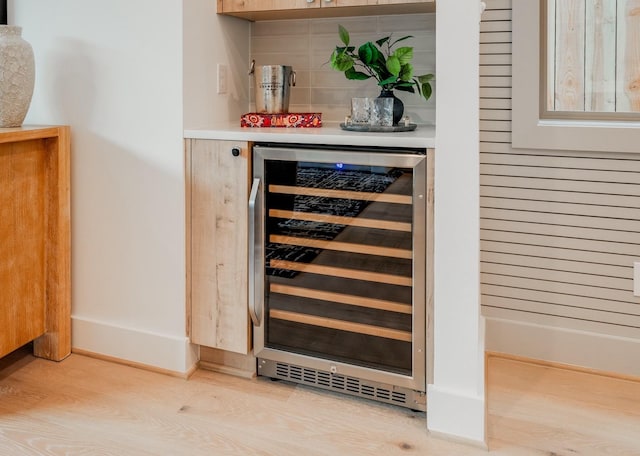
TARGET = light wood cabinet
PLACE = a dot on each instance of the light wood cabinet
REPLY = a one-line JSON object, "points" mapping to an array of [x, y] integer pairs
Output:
{"points": [[292, 9], [217, 243], [245, 6], [35, 271]]}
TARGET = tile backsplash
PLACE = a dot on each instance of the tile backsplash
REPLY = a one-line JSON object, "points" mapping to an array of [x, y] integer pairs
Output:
{"points": [[306, 45]]}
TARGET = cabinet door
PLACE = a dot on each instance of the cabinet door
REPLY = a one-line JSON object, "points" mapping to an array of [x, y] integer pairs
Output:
{"points": [[345, 3], [236, 6], [340, 3], [401, 2], [218, 189], [23, 241]]}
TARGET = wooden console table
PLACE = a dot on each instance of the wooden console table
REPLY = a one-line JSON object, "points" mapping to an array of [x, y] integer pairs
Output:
{"points": [[35, 238]]}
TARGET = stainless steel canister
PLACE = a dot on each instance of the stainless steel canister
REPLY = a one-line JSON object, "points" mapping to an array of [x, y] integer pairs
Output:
{"points": [[272, 87]]}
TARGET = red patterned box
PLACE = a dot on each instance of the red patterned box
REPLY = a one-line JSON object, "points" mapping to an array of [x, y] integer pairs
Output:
{"points": [[289, 120]]}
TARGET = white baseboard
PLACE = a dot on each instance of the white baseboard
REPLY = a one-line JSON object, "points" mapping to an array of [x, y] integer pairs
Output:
{"points": [[588, 350], [160, 351], [455, 416]]}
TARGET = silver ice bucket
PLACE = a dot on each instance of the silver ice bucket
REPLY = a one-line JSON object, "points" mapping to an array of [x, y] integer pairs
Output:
{"points": [[272, 87]]}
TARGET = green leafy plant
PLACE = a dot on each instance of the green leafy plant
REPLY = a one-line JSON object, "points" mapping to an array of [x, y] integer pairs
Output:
{"points": [[391, 67]]}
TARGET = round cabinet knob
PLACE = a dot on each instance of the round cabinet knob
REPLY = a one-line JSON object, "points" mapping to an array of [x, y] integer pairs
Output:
{"points": [[235, 151], [310, 1]]}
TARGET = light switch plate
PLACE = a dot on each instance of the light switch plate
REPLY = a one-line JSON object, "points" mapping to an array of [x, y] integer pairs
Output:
{"points": [[636, 278]]}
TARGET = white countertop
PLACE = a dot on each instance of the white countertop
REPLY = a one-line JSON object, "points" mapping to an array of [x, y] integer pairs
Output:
{"points": [[330, 133]]}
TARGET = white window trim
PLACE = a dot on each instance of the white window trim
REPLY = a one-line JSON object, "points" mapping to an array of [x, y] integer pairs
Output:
{"points": [[528, 129]]}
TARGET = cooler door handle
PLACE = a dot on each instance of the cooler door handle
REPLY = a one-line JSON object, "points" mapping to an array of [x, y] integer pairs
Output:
{"points": [[254, 311]]}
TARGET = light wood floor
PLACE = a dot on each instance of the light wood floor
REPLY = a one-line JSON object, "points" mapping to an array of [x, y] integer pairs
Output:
{"points": [[84, 406]]}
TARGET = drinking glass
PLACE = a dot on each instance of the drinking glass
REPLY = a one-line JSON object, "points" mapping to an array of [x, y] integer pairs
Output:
{"points": [[360, 110], [381, 112]]}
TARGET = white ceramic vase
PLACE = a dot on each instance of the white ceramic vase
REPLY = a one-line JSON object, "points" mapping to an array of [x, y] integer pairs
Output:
{"points": [[17, 76]]}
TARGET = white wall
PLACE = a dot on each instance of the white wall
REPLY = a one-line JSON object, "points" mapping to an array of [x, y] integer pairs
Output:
{"points": [[210, 40], [113, 71], [456, 404]]}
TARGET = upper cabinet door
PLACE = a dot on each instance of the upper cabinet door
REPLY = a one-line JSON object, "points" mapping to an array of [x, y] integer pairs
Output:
{"points": [[339, 3], [236, 6], [402, 2]]}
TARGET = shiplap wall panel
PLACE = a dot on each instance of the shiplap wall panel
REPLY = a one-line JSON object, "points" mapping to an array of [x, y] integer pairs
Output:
{"points": [[496, 103], [493, 81], [559, 230], [538, 318], [499, 149], [495, 48], [500, 5], [556, 264], [552, 172], [552, 297], [545, 251], [582, 302], [576, 221], [495, 59], [552, 184], [495, 125], [601, 202], [568, 162], [568, 231], [495, 136], [520, 286], [496, 70], [530, 238], [497, 13], [553, 207], [496, 37], [614, 318], [495, 26], [495, 114], [576, 278], [495, 92]]}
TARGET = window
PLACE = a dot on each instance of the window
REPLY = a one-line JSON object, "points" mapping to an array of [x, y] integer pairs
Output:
{"points": [[576, 74]]}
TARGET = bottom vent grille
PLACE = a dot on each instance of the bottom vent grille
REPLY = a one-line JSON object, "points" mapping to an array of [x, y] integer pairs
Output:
{"points": [[350, 385]]}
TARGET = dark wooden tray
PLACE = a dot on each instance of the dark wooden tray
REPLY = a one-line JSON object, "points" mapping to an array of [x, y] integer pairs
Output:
{"points": [[378, 128]]}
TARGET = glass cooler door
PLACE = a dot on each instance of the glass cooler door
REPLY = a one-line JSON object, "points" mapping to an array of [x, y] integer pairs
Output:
{"points": [[339, 256]]}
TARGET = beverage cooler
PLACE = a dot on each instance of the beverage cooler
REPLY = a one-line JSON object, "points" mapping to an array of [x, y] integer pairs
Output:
{"points": [[337, 269]]}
